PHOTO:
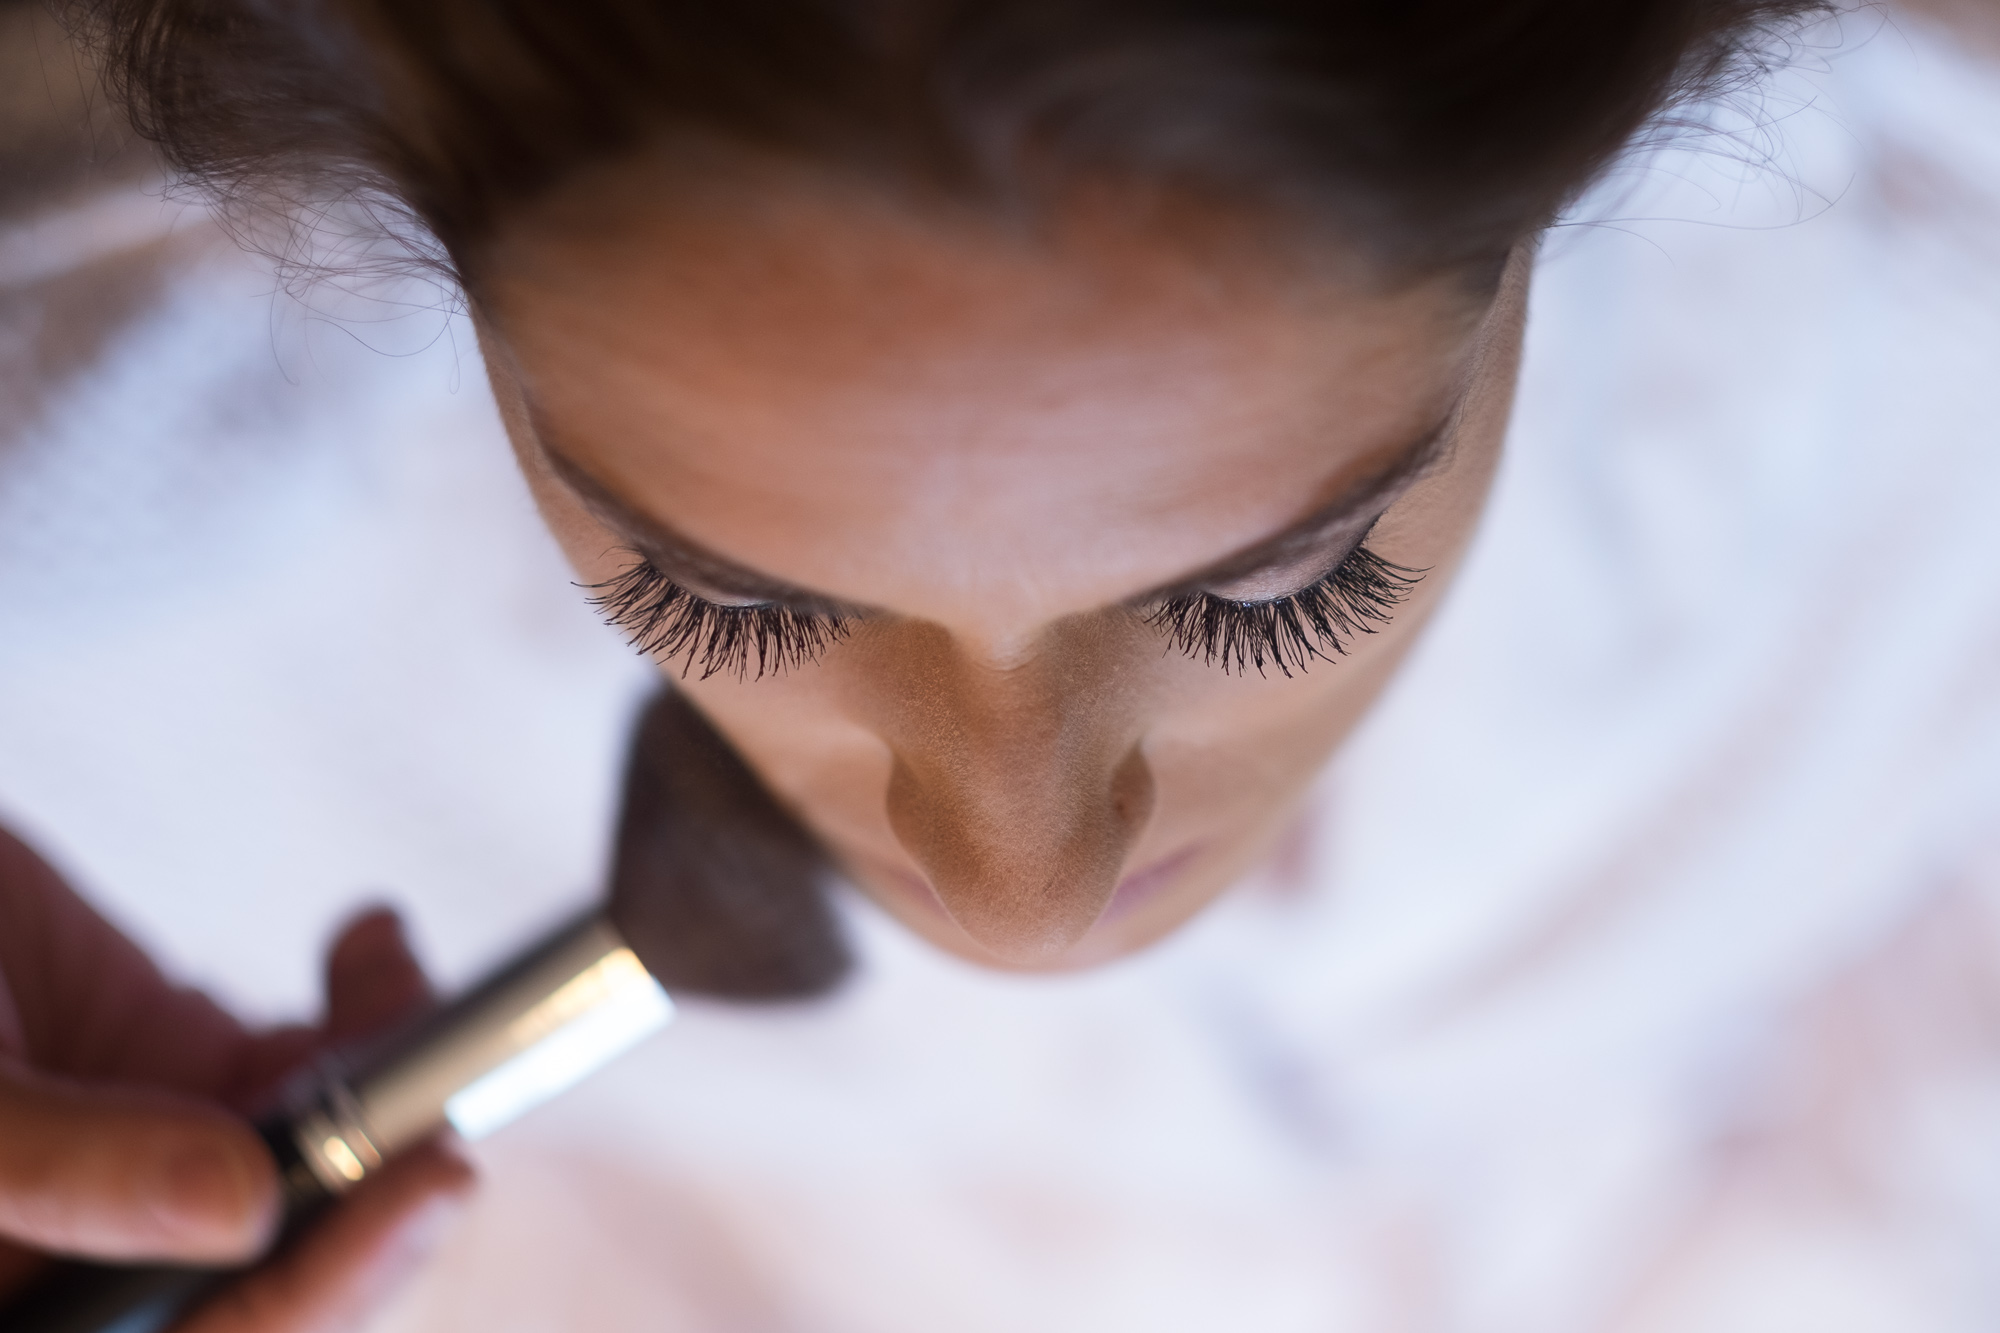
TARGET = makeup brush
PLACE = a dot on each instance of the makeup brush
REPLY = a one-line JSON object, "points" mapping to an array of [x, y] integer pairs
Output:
{"points": [[714, 890]]}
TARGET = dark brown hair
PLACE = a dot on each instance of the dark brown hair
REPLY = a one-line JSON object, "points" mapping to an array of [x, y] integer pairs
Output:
{"points": [[1431, 133]]}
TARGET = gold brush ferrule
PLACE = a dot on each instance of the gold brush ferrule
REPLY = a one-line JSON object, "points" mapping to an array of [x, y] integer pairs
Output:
{"points": [[563, 1009]]}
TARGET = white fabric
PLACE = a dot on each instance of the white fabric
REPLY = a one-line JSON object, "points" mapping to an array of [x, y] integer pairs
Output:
{"points": [[1639, 969]]}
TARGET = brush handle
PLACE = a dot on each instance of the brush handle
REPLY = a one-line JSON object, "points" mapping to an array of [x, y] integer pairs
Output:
{"points": [[563, 1008]]}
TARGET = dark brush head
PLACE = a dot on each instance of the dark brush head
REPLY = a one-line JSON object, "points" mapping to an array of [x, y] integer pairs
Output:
{"points": [[717, 889]]}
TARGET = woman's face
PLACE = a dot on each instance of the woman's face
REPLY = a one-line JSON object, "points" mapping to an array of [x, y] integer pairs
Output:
{"points": [[995, 456]]}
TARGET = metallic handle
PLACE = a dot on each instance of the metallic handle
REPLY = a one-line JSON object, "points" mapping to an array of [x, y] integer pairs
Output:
{"points": [[567, 1006]]}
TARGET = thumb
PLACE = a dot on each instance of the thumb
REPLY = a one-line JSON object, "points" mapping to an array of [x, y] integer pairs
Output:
{"points": [[129, 1174]]}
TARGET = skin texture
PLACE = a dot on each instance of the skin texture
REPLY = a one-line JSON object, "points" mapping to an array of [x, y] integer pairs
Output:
{"points": [[994, 442], [121, 1136]]}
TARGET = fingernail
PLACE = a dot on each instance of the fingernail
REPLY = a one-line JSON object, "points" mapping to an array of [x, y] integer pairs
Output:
{"points": [[207, 1193]]}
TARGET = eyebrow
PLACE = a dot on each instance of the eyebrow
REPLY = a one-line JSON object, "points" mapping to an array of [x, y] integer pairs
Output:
{"points": [[1357, 507]]}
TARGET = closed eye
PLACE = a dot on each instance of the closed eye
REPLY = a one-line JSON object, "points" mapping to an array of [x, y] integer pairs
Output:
{"points": [[1317, 623], [668, 623]]}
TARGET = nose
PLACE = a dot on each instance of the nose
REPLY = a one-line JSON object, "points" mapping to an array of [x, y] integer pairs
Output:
{"points": [[1019, 788]]}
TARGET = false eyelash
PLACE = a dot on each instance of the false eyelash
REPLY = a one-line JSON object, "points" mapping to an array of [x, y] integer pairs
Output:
{"points": [[665, 621], [1316, 622]]}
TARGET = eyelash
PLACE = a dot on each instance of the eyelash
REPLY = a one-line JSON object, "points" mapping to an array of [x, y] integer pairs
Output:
{"points": [[666, 622], [1315, 623]]}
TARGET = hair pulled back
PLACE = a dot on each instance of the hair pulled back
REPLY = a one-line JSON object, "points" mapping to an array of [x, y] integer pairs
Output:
{"points": [[1431, 133]]}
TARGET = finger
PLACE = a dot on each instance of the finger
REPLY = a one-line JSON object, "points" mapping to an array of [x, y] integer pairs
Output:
{"points": [[263, 1062], [372, 978], [88, 1003], [371, 981], [354, 1259], [127, 1174]]}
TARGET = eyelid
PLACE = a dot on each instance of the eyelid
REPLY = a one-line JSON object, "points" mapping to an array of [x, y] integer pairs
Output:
{"points": [[716, 583], [715, 590], [1386, 491], [1286, 577], [1308, 552]]}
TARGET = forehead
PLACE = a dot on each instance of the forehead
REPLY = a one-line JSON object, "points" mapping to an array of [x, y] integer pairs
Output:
{"points": [[900, 409]]}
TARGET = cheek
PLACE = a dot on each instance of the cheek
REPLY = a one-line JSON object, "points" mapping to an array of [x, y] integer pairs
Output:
{"points": [[819, 761], [1232, 752]]}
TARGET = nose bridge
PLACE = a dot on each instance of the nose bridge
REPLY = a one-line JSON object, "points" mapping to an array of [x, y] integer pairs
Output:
{"points": [[1019, 789], [1044, 715]]}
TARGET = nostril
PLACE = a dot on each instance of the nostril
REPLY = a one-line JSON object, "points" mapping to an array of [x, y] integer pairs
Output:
{"points": [[1132, 792]]}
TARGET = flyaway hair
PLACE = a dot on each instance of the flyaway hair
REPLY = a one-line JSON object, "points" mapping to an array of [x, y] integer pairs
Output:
{"points": [[1428, 134]]}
